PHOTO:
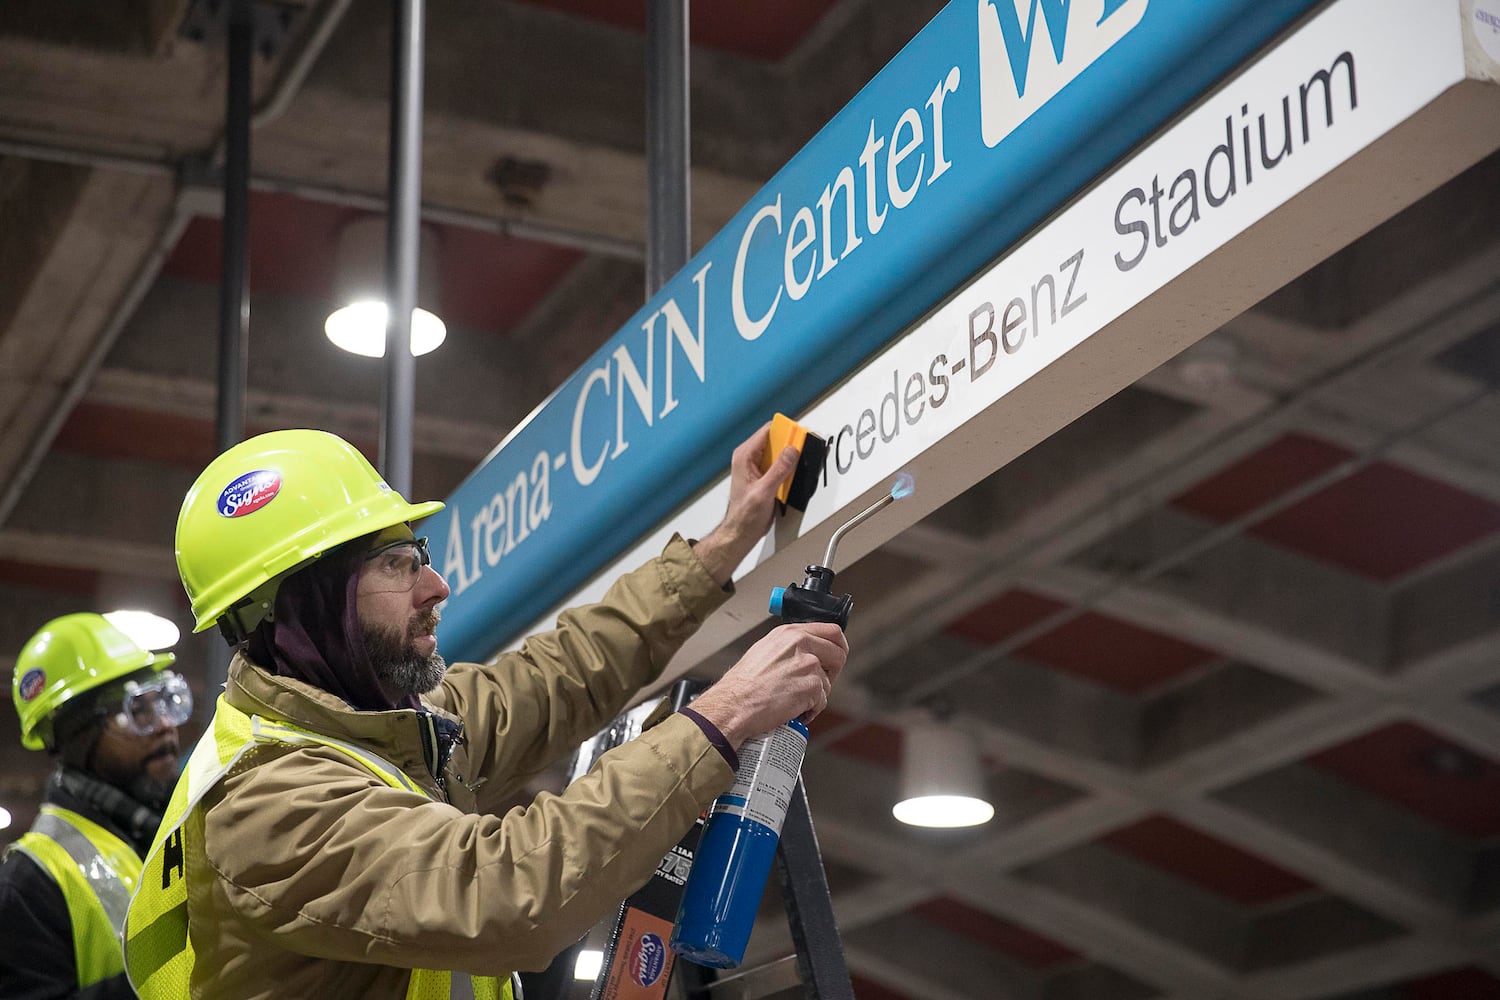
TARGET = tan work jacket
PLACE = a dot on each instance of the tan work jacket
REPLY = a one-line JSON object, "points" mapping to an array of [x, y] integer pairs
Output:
{"points": [[315, 879]]}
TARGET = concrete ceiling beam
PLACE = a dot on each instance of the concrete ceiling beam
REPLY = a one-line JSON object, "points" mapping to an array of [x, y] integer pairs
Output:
{"points": [[138, 27], [1266, 636], [1385, 857], [100, 555], [85, 281], [1105, 936], [1371, 967], [194, 398]]}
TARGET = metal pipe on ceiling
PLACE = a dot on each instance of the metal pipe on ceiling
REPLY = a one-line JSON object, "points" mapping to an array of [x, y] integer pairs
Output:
{"points": [[77, 153], [299, 62], [522, 229], [234, 300], [234, 265], [291, 72], [668, 235], [403, 222]]}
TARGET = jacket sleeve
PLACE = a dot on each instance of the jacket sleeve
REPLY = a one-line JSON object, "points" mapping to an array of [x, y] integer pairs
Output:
{"points": [[535, 705], [319, 857]]}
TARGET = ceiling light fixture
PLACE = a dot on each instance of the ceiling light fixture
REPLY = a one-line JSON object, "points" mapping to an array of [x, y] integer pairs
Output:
{"points": [[588, 964], [358, 325], [145, 629], [942, 780], [359, 328], [5, 818]]}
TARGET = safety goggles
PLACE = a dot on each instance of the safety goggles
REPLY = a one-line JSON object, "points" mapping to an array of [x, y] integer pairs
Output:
{"points": [[394, 568], [163, 702]]}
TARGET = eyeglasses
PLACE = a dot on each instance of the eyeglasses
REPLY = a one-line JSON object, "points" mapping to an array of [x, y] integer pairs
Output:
{"points": [[163, 702], [396, 566]]}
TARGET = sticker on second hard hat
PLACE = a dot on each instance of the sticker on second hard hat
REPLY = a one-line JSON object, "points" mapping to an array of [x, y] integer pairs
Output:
{"points": [[249, 493], [32, 682]]}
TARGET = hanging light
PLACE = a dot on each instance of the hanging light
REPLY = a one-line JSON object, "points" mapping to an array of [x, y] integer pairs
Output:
{"points": [[358, 325], [145, 629], [942, 779]]}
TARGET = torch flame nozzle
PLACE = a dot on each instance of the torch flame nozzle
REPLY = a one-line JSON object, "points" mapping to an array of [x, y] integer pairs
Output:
{"points": [[904, 486]]}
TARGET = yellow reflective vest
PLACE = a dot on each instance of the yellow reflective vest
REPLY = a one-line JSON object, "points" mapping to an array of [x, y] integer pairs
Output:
{"points": [[96, 872], [158, 950]]}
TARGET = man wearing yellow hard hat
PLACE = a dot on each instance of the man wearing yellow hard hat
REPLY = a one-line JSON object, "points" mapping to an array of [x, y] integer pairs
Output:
{"points": [[336, 831], [108, 711]]}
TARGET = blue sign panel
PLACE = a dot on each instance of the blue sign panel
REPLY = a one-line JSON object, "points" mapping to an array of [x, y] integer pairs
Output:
{"points": [[981, 127]]}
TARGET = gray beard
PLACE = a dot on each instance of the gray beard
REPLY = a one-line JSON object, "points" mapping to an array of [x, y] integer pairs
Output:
{"points": [[400, 667]]}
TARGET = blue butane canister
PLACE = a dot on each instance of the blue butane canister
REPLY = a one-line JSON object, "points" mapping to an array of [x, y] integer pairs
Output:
{"points": [[729, 873], [734, 856]]}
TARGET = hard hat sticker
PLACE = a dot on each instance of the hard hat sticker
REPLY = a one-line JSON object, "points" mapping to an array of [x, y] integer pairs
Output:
{"points": [[249, 493], [32, 682]]}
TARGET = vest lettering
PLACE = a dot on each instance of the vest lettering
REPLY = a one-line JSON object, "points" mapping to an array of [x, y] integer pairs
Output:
{"points": [[172, 858]]}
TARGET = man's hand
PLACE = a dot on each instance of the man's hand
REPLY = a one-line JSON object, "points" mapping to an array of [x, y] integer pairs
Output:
{"points": [[752, 503], [788, 674]]}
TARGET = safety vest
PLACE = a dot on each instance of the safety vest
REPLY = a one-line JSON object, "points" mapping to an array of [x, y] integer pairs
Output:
{"points": [[96, 872], [158, 950]]}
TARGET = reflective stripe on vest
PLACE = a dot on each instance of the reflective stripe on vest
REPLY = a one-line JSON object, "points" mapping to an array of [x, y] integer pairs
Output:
{"points": [[158, 949], [96, 872]]}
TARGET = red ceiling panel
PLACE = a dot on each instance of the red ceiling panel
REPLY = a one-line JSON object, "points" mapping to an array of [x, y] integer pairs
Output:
{"points": [[168, 438], [1261, 477], [488, 281], [867, 989], [1115, 653], [767, 29], [493, 282], [114, 431], [82, 582], [1381, 522], [1457, 984], [1095, 646], [1002, 617], [880, 745], [1206, 861], [874, 743], [1435, 778], [1025, 946], [292, 246], [831, 718]]}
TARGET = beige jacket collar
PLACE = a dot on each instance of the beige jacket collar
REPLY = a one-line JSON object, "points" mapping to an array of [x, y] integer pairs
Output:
{"points": [[400, 736]]}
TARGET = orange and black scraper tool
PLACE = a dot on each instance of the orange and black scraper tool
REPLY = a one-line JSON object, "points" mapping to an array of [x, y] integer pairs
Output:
{"points": [[797, 488]]}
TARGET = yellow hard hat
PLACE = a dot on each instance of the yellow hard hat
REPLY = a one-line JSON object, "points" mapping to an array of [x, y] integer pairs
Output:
{"points": [[68, 657], [268, 506]]}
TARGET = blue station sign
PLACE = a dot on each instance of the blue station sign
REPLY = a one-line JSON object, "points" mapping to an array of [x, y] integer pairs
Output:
{"points": [[986, 123]]}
